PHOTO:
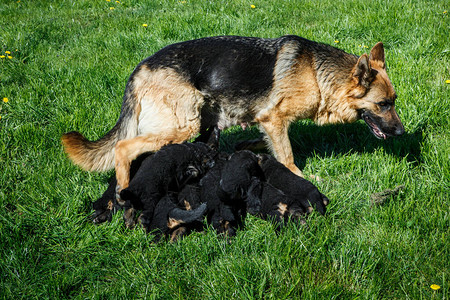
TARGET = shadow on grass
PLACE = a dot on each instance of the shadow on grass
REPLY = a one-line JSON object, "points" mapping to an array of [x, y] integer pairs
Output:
{"points": [[309, 140]]}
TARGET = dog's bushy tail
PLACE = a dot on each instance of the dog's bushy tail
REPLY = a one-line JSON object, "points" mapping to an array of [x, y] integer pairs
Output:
{"points": [[99, 155]]}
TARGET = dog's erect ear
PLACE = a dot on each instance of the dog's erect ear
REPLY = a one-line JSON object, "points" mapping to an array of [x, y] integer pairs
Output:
{"points": [[377, 55], [362, 71]]}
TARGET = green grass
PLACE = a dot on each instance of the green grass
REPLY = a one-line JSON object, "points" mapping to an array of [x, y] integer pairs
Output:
{"points": [[70, 62]]}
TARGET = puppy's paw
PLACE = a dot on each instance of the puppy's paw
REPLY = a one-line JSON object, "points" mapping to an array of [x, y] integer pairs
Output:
{"points": [[325, 200], [254, 209], [101, 216], [144, 222], [192, 172], [128, 217]]}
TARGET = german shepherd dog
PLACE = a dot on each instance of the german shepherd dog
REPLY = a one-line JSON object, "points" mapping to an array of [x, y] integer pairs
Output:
{"points": [[190, 87]]}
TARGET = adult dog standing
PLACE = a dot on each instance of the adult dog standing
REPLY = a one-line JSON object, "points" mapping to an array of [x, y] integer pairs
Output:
{"points": [[187, 88]]}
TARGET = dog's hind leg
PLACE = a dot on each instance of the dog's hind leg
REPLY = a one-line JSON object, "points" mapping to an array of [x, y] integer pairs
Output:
{"points": [[169, 108], [128, 150]]}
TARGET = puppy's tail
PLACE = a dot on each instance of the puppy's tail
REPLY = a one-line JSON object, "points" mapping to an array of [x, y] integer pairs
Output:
{"points": [[99, 155], [188, 216]]}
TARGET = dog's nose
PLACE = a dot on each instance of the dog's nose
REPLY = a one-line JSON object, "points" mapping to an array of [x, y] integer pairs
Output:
{"points": [[400, 130]]}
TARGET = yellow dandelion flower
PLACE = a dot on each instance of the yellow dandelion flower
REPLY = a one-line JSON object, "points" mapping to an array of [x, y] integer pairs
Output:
{"points": [[0, 117], [145, 25], [118, 2], [108, 0], [5, 100], [445, 12], [111, 8], [336, 42], [2, 56], [447, 81], [8, 52], [9, 56], [435, 287], [252, 6]]}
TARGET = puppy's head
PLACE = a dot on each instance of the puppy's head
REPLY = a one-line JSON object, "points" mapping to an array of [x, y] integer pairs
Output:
{"points": [[239, 172]]}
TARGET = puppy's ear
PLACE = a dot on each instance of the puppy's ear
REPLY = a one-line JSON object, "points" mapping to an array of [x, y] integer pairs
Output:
{"points": [[264, 158], [253, 199], [128, 195]]}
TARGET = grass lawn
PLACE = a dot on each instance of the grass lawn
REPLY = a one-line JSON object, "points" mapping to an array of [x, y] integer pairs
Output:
{"points": [[63, 67]]}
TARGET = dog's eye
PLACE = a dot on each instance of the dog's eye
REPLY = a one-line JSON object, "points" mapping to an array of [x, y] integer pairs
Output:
{"points": [[384, 104]]}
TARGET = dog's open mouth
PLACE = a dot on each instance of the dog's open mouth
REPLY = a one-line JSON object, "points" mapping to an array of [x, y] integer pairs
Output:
{"points": [[374, 127]]}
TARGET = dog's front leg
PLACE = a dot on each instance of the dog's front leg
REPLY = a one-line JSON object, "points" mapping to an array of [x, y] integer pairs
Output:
{"points": [[278, 141]]}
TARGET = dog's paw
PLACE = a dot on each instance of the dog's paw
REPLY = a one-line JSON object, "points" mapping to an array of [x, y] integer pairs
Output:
{"points": [[118, 198]]}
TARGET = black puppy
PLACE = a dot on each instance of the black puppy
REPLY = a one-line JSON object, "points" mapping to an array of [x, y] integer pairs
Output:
{"points": [[277, 206], [169, 169], [304, 195], [175, 215], [171, 220], [227, 190], [106, 205], [188, 216]]}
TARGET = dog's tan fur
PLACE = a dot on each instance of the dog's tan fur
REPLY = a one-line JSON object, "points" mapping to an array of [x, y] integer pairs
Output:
{"points": [[166, 108], [168, 112]]}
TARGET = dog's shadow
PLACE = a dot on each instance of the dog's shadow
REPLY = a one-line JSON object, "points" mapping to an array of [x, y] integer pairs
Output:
{"points": [[308, 139]]}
